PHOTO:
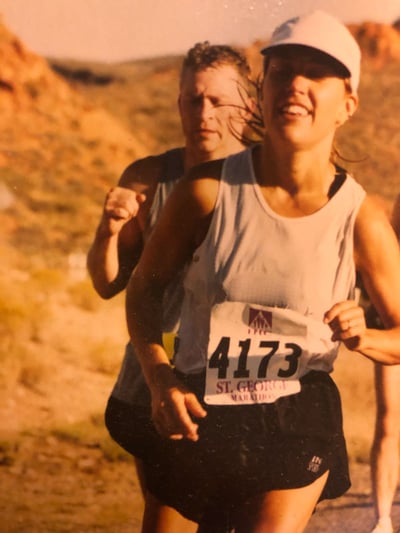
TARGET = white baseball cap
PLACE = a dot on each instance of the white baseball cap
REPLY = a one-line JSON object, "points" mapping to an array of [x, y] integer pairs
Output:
{"points": [[325, 33]]}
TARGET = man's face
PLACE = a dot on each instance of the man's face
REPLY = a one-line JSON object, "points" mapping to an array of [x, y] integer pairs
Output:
{"points": [[211, 105]]}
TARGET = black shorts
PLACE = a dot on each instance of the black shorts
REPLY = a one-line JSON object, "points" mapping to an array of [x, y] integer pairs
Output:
{"points": [[130, 425], [242, 451]]}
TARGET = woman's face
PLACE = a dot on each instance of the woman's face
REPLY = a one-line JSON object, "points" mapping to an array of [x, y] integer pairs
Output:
{"points": [[304, 97]]}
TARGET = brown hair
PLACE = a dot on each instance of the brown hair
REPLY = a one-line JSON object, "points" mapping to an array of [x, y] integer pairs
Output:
{"points": [[205, 55]]}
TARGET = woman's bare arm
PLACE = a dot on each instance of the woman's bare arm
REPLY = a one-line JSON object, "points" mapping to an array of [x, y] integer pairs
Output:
{"points": [[181, 228], [377, 258]]}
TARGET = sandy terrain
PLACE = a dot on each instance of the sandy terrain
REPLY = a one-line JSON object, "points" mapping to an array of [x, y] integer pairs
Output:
{"points": [[54, 486]]}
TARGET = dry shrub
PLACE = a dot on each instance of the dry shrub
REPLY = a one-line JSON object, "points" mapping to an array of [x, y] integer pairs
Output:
{"points": [[47, 280], [83, 295], [82, 432], [104, 357], [18, 326], [24, 315], [33, 370], [8, 451], [92, 433], [354, 377], [10, 368]]}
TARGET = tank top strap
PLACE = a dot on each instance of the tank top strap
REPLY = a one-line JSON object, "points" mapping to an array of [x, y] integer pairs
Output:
{"points": [[238, 166], [171, 173], [172, 165]]}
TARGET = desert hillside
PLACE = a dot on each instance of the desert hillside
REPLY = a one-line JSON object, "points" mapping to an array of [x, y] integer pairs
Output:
{"points": [[58, 150], [68, 130]]}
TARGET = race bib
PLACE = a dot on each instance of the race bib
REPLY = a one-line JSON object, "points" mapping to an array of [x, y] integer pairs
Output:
{"points": [[254, 354]]}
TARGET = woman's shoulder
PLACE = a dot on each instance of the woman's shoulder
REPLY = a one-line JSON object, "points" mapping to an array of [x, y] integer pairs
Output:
{"points": [[201, 183], [214, 170], [376, 206], [372, 223]]}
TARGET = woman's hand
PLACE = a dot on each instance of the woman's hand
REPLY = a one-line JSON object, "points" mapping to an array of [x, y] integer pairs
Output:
{"points": [[347, 322], [173, 406]]}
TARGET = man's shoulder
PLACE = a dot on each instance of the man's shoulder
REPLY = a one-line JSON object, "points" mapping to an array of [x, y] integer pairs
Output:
{"points": [[207, 170], [148, 171]]}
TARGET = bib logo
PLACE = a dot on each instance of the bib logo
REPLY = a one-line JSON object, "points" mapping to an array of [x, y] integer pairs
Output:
{"points": [[260, 321]]}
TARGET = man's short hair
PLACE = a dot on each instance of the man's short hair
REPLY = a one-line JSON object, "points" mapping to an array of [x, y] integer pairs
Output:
{"points": [[205, 55]]}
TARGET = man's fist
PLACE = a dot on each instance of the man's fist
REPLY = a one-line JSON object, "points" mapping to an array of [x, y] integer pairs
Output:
{"points": [[120, 206]]}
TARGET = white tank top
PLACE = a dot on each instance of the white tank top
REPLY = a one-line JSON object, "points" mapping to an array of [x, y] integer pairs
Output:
{"points": [[252, 254]]}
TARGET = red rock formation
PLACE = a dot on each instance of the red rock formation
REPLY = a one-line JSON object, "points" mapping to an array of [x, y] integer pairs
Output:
{"points": [[37, 106]]}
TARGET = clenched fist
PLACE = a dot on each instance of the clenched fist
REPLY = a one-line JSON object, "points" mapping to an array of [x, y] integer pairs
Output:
{"points": [[120, 206]]}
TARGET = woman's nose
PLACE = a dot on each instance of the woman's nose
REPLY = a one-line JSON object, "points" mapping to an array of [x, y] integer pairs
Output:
{"points": [[297, 82]]}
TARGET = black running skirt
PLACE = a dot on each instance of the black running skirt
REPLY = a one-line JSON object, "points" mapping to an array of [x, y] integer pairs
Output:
{"points": [[242, 451]]}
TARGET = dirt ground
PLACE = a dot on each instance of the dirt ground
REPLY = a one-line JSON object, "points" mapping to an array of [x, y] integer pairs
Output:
{"points": [[54, 486]]}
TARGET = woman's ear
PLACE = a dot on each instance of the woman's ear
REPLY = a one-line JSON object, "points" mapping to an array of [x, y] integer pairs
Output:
{"points": [[348, 110], [351, 104]]}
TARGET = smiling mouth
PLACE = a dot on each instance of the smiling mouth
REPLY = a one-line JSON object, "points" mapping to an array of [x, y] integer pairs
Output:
{"points": [[294, 110]]}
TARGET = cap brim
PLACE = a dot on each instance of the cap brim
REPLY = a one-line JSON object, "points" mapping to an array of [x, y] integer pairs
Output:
{"points": [[270, 48]]}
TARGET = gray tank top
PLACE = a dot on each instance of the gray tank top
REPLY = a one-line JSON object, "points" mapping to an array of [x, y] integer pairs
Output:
{"points": [[252, 254], [130, 386], [172, 173]]}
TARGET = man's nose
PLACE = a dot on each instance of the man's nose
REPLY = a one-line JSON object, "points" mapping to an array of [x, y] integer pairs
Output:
{"points": [[206, 109]]}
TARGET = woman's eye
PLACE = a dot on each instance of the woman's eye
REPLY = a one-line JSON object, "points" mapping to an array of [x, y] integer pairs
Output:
{"points": [[280, 72], [317, 72]]}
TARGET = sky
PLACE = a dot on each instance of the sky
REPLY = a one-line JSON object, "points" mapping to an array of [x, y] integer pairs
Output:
{"points": [[119, 30]]}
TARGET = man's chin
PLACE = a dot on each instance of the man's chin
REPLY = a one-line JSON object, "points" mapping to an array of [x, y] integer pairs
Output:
{"points": [[207, 143]]}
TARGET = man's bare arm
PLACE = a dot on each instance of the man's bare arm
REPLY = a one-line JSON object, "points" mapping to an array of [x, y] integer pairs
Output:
{"points": [[118, 241]]}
